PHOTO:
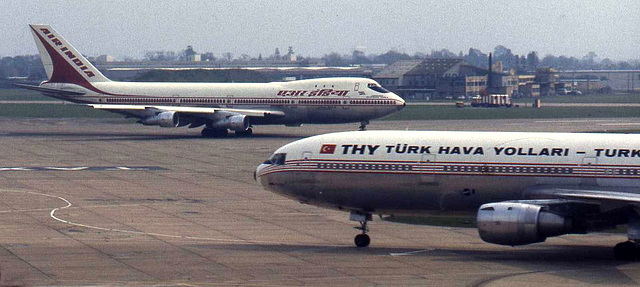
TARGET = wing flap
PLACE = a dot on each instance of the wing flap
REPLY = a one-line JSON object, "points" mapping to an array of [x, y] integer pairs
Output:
{"points": [[631, 195]]}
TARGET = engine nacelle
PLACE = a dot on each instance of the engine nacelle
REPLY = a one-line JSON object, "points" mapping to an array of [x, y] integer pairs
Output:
{"points": [[235, 123], [512, 223], [168, 119]]}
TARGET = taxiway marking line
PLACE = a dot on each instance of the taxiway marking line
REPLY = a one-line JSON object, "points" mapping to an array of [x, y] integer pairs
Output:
{"points": [[52, 214]]}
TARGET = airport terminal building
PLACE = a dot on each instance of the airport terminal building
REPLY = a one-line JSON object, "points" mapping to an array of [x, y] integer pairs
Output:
{"points": [[441, 78]]}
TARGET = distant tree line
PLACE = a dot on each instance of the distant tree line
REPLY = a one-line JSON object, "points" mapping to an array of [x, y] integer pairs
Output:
{"points": [[31, 67], [22, 66], [522, 63], [198, 75]]}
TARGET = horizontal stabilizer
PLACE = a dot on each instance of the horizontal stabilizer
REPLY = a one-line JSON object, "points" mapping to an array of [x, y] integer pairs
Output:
{"points": [[50, 90]]}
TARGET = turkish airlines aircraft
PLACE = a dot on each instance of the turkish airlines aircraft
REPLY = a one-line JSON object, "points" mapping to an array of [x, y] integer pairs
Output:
{"points": [[218, 106], [525, 187]]}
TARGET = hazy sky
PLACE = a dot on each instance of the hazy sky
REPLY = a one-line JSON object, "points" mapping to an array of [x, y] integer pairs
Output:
{"points": [[609, 28]]}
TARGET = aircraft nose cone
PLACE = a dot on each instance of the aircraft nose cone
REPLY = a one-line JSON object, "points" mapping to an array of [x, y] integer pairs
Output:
{"points": [[400, 102], [257, 172], [400, 107]]}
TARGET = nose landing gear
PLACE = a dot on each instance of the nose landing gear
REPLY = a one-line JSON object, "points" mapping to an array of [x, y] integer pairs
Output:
{"points": [[363, 125], [361, 240]]}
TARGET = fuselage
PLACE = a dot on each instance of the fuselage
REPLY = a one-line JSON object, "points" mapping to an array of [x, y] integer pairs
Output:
{"points": [[329, 100], [414, 172]]}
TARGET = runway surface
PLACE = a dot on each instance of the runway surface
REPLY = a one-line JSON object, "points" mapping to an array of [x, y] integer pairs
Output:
{"points": [[103, 202]]}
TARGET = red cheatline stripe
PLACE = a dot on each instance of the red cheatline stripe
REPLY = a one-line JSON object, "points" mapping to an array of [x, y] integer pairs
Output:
{"points": [[491, 174]]}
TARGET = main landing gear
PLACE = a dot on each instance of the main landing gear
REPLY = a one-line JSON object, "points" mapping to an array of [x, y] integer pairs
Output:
{"points": [[220, 133], [630, 250], [363, 125], [214, 133], [246, 133], [627, 251], [361, 240]]}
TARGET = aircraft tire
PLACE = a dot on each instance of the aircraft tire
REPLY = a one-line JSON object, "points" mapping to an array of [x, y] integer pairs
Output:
{"points": [[625, 251], [214, 133], [362, 240]]}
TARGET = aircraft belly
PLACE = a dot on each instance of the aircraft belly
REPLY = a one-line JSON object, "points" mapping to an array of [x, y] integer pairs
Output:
{"points": [[317, 115], [402, 193], [297, 115], [342, 115]]}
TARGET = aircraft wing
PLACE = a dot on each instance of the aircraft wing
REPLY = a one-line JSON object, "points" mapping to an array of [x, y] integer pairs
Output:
{"points": [[628, 195], [200, 111]]}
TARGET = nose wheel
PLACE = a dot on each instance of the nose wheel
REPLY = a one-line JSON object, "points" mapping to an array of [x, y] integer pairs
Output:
{"points": [[361, 240], [363, 125]]}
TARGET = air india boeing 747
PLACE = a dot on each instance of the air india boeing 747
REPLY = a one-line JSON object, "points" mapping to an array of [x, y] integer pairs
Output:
{"points": [[524, 187], [219, 107]]}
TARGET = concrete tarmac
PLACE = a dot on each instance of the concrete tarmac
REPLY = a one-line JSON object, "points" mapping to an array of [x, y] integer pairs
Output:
{"points": [[107, 202]]}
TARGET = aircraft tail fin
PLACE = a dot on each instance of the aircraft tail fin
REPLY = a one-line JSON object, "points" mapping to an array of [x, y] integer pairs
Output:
{"points": [[62, 62]]}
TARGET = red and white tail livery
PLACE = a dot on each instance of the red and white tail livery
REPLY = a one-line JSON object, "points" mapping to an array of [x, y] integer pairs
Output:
{"points": [[62, 62]]}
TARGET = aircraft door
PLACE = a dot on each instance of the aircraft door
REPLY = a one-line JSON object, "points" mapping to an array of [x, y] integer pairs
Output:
{"points": [[345, 104], [307, 177], [427, 161], [589, 161]]}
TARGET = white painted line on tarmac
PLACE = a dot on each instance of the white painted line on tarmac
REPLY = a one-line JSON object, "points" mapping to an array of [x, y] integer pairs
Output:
{"points": [[574, 121], [67, 168], [620, 124], [82, 168], [68, 204], [410, 252]]}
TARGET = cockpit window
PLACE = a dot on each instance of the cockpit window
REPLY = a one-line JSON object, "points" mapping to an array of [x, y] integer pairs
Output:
{"points": [[377, 88], [277, 159]]}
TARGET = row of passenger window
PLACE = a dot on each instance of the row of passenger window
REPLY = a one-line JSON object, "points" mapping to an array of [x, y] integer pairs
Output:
{"points": [[321, 102], [478, 169], [545, 170], [246, 101], [206, 100], [139, 100], [508, 169], [365, 166], [372, 102], [622, 171], [262, 101]]}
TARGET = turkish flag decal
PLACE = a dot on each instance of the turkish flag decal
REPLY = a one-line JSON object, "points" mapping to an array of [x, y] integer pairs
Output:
{"points": [[328, 148]]}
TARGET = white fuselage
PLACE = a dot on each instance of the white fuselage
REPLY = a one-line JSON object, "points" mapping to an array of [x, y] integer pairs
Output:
{"points": [[330, 100], [412, 172]]}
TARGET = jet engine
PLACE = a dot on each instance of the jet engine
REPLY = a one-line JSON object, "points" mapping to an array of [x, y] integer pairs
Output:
{"points": [[168, 119], [235, 123], [514, 223]]}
